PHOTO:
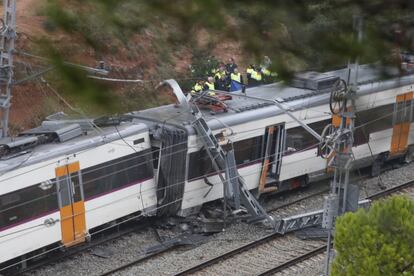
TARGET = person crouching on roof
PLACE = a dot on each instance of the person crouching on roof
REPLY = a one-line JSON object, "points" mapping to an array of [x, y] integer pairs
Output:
{"points": [[222, 84], [256, 78], [198, 87], [249, 72], [209, 85], [221, 72]]}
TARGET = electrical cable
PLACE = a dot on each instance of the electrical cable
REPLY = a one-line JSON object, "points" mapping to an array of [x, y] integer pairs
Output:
{"points": [[153, 159], [177, 115], [252, 162], [53, 182], [249, 130], [99, 231], [118, 223]]}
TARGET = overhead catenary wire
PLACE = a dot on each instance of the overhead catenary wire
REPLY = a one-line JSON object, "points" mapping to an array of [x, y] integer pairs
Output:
{"points": [[205, 157], [52, 182], [249, 130], [99, 231], [178, 183], [96, 232], [214, 173], [356, 127]]}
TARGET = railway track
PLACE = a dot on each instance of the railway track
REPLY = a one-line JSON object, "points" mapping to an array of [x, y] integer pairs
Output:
{"points": [[62, 255], [253, 258], [256, 257], [272, 209], [287, 263], [292, 262], [113, 235]]}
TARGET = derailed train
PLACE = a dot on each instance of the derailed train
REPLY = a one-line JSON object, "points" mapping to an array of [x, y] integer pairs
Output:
{"points": [[65, 179]]}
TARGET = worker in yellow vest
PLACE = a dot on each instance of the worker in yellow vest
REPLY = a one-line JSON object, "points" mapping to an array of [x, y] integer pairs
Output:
{"points": [[209, 85], [249, 72], [268, 76], [220, 73], [198, 87], [256, 78], [236, 80]]}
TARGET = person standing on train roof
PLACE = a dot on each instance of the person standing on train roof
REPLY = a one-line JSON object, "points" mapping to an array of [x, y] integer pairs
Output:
{"points": [[231, 65], [209, 85], [236, 80]]}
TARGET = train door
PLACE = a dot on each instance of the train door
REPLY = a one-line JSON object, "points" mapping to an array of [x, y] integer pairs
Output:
{"points": [[401, 123], [274, 145], [71, 204]]}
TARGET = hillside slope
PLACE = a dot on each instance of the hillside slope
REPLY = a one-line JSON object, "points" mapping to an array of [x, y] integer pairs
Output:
{"points": [[146, 55]]}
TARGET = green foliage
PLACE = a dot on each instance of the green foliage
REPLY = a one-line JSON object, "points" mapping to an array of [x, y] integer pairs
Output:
{"points": [[80, 86], [379, 241], [201, 68], [296, 35]]}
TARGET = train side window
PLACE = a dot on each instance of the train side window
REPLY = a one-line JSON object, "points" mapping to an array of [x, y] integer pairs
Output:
{"points": [[248, 151], [372, 120], [403, 112], [298, 138], [245, 151], [25, 204], [117, 173], [200, 164]]}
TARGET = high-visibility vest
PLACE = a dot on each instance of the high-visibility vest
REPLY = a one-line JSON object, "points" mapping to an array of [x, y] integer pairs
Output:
{"points": [[266, 72], [249, 71], [196, 88], [236, 77], [211, 88], [256, 75], [219, 74], [210, 85]]}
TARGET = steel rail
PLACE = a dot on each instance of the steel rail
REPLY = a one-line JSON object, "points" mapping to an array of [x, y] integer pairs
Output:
{"points": [[264, 239], [81, 248], [293, 261], [229, 254], [137, 261]]}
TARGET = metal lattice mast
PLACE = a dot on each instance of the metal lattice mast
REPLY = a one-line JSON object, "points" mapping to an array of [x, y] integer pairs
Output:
{"points": [[342, 142], [8, 36]]}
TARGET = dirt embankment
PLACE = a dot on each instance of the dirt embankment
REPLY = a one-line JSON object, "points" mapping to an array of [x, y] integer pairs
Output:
{"points": [[34, 100]]}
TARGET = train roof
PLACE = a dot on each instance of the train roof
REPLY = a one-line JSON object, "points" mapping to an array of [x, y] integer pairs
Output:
{"points": [[89, 137], [242, 109], [71, 136]]}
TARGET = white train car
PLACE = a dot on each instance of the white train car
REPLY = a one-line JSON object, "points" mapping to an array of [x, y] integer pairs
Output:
{"points": [[61, 181], [54, 194], [259, 130]]}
